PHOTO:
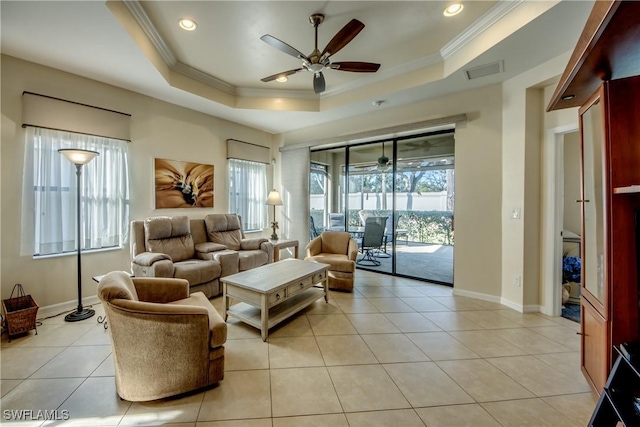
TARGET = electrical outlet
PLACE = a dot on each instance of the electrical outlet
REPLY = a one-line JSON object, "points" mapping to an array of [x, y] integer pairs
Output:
{"points": [[515, 213], [517, 280]]}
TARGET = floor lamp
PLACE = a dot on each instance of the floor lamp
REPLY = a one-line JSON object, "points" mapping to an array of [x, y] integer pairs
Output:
{"points": [[79, 158], [273, 199]]}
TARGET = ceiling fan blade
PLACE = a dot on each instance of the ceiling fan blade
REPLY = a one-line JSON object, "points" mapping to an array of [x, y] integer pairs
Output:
{"points": [[282, 46], [282, 74], [318, 82], [355, 67], [342, 37]]}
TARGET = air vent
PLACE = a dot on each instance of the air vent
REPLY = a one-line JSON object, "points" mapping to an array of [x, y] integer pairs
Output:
{"points": [[484, 70]]}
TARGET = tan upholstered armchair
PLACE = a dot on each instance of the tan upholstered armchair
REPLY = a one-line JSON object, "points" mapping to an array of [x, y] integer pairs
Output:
{"points": [[226, 229], [340, 250], [164, 341], [168, 247]]}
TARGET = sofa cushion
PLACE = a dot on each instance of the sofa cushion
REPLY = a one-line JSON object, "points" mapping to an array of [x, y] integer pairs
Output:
{"points": [[224, 229], [337, 262], [252, 259], [197, 271], [169, 235], [335, 242], [117, 285], [217, 326]]}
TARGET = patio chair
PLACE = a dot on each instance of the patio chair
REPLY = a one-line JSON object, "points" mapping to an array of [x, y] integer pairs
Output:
{"points": [[313, 231], [372, 240], [389, 231], [336, 222]]}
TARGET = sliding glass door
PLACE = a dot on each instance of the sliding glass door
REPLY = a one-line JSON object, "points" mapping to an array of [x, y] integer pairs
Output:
{"points": [[406, 186]]}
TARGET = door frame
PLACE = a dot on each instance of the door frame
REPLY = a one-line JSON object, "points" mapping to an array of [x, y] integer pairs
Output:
{"points": [[552, 218]]}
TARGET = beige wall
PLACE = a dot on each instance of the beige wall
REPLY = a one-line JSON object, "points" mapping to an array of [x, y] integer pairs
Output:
{"points": [[498, 154], [478, 180], [158, 129], [525, 127]]}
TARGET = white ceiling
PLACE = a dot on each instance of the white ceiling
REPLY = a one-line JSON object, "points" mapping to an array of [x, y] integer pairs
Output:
{"points": [[423, 54]]}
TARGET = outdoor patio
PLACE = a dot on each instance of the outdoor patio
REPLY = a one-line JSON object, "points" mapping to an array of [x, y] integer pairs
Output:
{"points": [[432, 262]]}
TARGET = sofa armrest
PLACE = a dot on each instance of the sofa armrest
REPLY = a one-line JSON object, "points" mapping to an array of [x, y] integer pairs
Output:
{"points": [[252, 244], [268, 248], [146, 259], [229, 262], [314, 247], [161, 268], [352, 251], [208, 247], [160, 290]]}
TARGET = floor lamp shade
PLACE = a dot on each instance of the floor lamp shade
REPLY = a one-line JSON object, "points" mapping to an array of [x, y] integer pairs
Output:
{"points": [[79, 158], [273, 199]]}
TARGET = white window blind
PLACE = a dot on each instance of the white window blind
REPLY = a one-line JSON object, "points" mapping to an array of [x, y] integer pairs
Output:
{"points": [[50, 193], [248, 193]]}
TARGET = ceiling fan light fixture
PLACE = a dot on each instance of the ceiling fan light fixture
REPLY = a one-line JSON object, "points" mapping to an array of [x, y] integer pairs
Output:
{"points": [[453, 9], [187, 24], [383, 161], [282, 79]]}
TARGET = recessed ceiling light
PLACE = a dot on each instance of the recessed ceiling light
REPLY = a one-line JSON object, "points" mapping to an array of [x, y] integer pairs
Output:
{"points": [[453, 9], [187, 24], [282, 79]]}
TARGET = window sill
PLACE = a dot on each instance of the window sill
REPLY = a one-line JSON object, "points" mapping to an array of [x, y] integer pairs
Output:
{"points": [[75, 253]]}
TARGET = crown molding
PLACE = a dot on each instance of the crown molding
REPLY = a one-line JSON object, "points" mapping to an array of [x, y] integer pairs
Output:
{"points": [[493, 15], [141, 17], [386, 73], [205, 78], [274, 93]]}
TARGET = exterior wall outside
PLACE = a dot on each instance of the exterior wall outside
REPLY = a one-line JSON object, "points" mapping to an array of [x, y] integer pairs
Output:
{"points": [[158, 129]]}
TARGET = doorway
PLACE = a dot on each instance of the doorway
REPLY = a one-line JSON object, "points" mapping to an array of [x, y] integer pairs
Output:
{"points": [[571, 227], [407, 184]]}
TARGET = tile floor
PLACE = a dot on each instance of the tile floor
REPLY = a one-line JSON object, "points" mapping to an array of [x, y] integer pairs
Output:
{"points": [[395, 352]]}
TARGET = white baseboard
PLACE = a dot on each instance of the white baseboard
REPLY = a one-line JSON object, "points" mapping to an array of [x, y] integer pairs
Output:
{"points": [[51, 310], [477, 295], [533, 308]]}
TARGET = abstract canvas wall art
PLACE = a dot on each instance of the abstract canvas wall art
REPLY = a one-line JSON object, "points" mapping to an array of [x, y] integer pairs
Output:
{"points": [[181, 184]]}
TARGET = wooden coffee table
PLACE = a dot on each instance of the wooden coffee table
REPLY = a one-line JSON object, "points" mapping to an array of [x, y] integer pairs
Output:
{"points": [[274, 292]]}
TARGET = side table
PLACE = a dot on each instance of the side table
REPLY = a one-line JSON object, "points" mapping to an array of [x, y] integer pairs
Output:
{"points": [[282, 244]]}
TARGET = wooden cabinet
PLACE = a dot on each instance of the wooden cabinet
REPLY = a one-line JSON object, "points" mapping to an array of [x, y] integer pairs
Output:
{"points": [[610, 142], [606, 60]]}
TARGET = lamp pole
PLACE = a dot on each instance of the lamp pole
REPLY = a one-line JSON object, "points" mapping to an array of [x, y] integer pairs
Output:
{"points": [[79, 158]]}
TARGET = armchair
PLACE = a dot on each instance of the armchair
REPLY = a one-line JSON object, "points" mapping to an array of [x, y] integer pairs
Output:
{"points": [[164, 341], [226, 229], [339, 250]]}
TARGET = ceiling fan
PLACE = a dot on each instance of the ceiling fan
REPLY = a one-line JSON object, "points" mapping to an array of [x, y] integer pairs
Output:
{"points": [[318, 61]]}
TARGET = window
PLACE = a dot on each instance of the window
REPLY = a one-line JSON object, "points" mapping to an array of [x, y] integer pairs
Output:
{"points": [[319, 195], [248, 193], [50, 193]]}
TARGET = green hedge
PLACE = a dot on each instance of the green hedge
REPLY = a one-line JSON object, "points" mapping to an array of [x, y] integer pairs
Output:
{"points": [[421, 226]]}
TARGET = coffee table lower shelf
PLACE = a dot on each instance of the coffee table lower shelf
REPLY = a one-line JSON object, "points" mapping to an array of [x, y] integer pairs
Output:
{"points": [[252, 315]]}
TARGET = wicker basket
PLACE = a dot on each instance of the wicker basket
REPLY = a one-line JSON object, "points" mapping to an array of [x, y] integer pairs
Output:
{"points": [[19, 312]]}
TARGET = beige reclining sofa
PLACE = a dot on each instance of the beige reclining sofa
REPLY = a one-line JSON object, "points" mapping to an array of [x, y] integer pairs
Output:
{"points": [[198, 250]]}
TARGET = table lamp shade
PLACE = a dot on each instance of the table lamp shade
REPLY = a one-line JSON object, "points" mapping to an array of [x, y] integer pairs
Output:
{"points": [[273, 199]]}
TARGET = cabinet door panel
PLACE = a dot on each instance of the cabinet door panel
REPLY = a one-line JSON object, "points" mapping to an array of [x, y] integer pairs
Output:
{"points": [[595, 348], [593, 202]]}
